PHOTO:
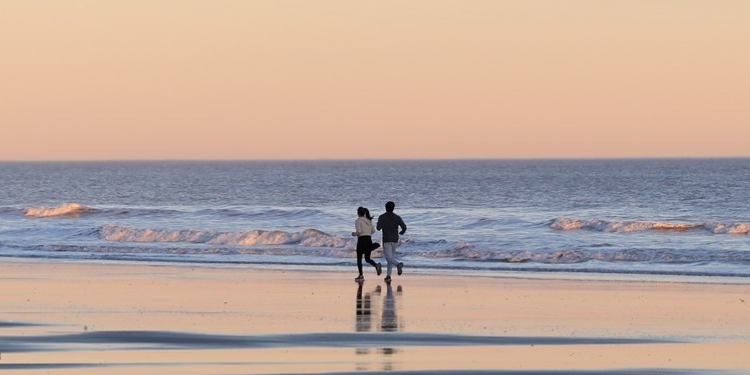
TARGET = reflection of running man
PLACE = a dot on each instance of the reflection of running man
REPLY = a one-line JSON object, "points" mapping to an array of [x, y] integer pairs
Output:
{"points": [[390, 223], [389, 321]]}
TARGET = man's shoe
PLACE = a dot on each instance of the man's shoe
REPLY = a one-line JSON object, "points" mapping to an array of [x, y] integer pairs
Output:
{"points": [[388, 279], [400, 268]]}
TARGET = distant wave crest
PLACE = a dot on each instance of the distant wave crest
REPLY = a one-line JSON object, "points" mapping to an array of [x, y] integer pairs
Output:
{"points": [[570, 224], [308, 237], [66, 209]]}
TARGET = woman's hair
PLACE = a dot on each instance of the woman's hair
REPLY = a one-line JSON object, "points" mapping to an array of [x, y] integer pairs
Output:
{"points": [[361, 211]]}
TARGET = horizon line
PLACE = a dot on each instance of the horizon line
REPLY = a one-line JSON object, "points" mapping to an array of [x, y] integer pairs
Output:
{"points": [[583, 158]]}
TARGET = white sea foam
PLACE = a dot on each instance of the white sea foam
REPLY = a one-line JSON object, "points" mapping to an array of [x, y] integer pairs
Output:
{"points": [[569, 224], [66, 209], [732, 228], [575, 224], [307, 237]]}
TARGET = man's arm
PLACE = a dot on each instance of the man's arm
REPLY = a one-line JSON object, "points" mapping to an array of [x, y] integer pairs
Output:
{"points": [[379, 225], [402, 225]]}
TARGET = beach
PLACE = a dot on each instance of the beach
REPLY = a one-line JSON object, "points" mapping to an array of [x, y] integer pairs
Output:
{"points": [[186, 187], [92, 318]]}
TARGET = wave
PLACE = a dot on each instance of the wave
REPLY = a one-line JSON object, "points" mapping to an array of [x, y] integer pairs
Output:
{"points": [[66, 209], [721, 228], [570, 224], [76, 209], [308, 237], [4, 210], [482, 223], [185, 253], [91, 340], [460, 256], [468, 253]]}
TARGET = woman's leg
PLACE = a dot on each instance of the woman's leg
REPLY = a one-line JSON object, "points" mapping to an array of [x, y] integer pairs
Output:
{"points": [[369, 260], [359, 261], [362, 245]]}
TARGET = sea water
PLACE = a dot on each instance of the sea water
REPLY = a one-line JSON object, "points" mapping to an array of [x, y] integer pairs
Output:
{"points": [[641, 218]]}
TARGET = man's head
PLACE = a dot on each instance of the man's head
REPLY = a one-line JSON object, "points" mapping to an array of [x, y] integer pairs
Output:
{"points": [[390, 206]]}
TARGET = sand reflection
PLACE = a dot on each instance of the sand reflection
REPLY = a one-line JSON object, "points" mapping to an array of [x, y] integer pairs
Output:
{"points": [[365, 316]]}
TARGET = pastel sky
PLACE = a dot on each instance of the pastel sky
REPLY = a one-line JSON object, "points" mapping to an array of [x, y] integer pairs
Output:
{"points": [[373, 79]]}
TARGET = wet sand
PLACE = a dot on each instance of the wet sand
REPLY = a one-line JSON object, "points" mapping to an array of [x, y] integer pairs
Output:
{"points": [[65, 318]]}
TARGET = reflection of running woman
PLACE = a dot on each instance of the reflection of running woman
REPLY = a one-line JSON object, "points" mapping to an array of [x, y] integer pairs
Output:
{"points": [[363, 310], [389, 222], [365, 246]]}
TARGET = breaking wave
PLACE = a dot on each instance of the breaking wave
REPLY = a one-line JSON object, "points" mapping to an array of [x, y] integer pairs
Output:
{"points": [[308, 237], [721, 228], [570, 224], [66, 209]]}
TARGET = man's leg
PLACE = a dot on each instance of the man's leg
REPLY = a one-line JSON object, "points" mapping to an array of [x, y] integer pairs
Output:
{"points": [[389, 250]]}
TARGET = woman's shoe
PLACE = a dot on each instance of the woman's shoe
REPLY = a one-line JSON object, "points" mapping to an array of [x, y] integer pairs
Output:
{"points": [[378, 268], [359, 278]]}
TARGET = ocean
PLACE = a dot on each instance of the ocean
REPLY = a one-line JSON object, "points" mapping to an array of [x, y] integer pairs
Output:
{"points": [[640, 218]]}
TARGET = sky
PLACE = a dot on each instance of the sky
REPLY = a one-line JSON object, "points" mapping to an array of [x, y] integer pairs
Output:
{"points": [[122, 80]]}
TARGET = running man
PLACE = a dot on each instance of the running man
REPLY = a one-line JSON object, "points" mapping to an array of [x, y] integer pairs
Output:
{"points": [[389, 223]]}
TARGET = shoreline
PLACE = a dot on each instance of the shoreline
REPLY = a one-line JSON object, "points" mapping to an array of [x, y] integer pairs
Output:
{"points": [[423, 271], [92, 318]]}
